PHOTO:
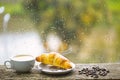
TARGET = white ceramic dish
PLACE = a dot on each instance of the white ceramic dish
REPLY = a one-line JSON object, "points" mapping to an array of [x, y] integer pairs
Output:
{"points": [[49, 69]]}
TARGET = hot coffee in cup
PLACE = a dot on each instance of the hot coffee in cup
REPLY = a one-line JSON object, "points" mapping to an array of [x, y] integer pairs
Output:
{"points": [[21, 63]]}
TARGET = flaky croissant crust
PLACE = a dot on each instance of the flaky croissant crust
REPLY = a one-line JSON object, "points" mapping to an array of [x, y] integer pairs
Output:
{"points": [[54, 59]]}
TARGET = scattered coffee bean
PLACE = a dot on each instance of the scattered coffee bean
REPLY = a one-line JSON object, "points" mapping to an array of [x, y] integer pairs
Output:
{"points": [[96, 68], [95, 76], [103, 69], [100, 73], [104, 74], [108, 71], [87, 74], [86, 69], [91, 75], [80, 72], [95, 72]]}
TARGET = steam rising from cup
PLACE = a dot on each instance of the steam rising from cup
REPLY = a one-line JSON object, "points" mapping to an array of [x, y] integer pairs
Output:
{"points": [[5, 21], [5, 24]]}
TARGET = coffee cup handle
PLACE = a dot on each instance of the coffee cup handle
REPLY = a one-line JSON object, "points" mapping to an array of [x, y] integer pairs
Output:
{"points": [[5, 64]]}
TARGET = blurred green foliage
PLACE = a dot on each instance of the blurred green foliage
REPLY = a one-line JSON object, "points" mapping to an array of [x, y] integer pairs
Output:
{"points": [[67, 17], [14, 8]]}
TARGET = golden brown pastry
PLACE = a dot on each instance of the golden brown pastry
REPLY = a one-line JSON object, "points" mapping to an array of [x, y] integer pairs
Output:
{"points": [[54, 59]]}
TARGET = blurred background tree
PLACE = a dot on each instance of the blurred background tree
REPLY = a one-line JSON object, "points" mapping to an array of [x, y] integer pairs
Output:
{"points": [[67, 18]]}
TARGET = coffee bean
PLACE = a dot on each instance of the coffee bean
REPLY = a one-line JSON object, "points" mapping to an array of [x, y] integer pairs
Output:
{"points": [[80, 72], [90, 72], [86, 69], [95, 72], [93, 67], [103, 69], [87, 74], [105, 73], [84, 72], [83, 69], [97, 68], [95, 76], [108, 71], [92, 75]]}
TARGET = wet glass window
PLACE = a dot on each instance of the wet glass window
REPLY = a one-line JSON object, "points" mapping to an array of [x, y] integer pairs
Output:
{"points": [[84, 31]]}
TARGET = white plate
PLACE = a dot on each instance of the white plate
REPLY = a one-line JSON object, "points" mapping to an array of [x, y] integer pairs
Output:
{"points": [[49, 69]]}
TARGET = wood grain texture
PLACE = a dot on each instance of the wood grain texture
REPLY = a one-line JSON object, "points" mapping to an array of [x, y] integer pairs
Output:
{"points": [[8, 74]]}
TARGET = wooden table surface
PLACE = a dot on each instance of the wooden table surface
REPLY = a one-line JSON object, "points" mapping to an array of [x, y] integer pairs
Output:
{"points": [[8, 74]]}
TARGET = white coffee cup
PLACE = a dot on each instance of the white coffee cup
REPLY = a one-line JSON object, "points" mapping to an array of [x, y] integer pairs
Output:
{"points": [[21, 63]]}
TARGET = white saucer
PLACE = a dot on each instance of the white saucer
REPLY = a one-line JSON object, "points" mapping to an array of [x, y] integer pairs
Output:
{"points": [[49, 69]]}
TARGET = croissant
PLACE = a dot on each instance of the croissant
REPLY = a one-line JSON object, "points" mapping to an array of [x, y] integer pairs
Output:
{"points": [[54, 59]]}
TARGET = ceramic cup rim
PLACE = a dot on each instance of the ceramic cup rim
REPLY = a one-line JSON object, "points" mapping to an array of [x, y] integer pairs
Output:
{"points": [[12, 58]]}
